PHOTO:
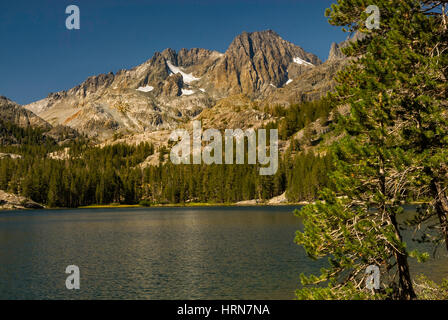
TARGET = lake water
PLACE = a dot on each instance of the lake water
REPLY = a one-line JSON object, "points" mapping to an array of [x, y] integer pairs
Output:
{"points": [[158, 253]]}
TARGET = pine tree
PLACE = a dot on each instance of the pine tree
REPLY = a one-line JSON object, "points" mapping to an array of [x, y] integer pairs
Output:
{"points": [[356, 223], [53, 192], [425, 125]]}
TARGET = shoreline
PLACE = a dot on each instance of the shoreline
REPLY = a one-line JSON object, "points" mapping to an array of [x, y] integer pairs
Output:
{"points": [[185, 205], [200, 204], [171, 205]]}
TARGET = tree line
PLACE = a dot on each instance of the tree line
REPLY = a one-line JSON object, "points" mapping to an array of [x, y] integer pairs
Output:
{"points": [[298, 116], [88, 175]]}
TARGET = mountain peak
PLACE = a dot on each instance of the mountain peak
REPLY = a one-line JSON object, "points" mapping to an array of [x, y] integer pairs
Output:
{"points": [[336, 48], [256, 38], [258, 61], [271, 43], [262, 33], [174, 87]]}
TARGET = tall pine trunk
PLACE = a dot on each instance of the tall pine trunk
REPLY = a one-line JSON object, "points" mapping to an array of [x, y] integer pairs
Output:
{"points": [[406, 289], [441, 206]]}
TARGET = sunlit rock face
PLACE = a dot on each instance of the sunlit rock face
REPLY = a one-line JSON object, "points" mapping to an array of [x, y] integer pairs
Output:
{"points": [[172, 88]]}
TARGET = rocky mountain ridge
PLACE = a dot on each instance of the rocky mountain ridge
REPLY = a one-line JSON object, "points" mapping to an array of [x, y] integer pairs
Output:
{"points": [[13, 112], [173, 88], [16, 115]]}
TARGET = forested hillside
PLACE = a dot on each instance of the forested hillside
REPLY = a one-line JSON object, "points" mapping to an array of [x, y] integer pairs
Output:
{"points": [[79, 173]]}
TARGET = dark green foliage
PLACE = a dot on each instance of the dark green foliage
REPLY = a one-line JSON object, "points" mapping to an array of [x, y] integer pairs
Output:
{"points": [[298, 116], [308, 175], [92, 175], [397, 98], [209, 183], [35, 140], [145, 203]]}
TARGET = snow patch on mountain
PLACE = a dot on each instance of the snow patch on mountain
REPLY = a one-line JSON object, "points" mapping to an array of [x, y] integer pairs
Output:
{"points": [[301, 61], [187, 92], [145, 89], [187, 77]]}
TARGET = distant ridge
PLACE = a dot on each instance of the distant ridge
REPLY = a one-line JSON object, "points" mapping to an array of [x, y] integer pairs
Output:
{"points": [[173, 87]]}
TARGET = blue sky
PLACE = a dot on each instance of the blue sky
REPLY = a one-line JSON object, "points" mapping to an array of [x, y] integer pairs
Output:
{"points": [[38, 55]]}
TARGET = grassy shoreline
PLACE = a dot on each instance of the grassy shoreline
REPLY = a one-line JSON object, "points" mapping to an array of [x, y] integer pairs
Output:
{"points": [[188, 205], [191, 204], [199, 204]]}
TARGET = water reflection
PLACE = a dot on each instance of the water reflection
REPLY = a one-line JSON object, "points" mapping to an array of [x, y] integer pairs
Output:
{"points": [[169, 253]]}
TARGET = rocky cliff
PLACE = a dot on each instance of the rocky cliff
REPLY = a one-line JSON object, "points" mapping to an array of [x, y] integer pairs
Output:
{"points": [[173, 87], [13, 201], [16, 115]]}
